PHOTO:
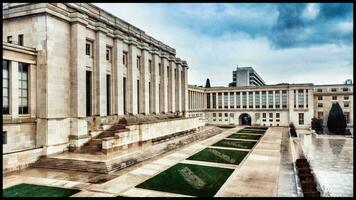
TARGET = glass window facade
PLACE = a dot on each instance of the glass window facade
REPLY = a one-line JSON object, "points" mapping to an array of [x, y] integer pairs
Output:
{"points": [[277, 99], [5, 87], [226, 100], [250, 99], [244, 100], [257, 99], [270, 99], [232, 100], [264, 99], [238, 101], [23, 88]]}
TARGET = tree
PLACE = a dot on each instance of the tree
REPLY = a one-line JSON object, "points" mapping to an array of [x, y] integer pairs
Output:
{"points": [[207, 84], [292, 130], [317, 125], [336, 120]]}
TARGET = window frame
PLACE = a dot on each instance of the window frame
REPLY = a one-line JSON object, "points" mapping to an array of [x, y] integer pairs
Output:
{"points": [[6, 112], [21, 108], [20, 38]]}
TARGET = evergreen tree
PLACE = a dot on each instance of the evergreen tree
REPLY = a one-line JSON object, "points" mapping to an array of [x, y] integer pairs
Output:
{"points": [[317, 125], [336, 120], [207, 84]]}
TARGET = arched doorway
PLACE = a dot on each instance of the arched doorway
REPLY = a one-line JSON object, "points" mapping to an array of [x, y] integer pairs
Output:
{"points": [[245, 119]]}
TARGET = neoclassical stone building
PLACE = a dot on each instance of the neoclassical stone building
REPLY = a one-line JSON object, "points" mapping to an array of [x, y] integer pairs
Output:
{"points": [[80, 68], [269, 105]]}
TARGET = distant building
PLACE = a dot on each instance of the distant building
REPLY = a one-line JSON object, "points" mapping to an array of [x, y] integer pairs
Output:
{"points": [[245, 76], [348, 81]]}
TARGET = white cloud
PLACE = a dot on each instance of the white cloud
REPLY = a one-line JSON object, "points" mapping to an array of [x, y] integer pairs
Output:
{"points": [[215, 58], [311, 11]]}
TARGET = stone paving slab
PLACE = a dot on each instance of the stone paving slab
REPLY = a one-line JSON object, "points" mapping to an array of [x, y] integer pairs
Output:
{"points": [[240, 139], [209, 164], [258, 175], [140, 192], [87, 193]]}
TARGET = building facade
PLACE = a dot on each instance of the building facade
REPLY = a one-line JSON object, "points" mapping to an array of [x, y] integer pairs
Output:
{"points": [[245, 76], [70, 66], [269, 105]]}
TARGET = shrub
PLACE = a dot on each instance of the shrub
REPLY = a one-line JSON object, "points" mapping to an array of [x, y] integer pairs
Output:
{"points": [[292, 130], [336, 120], [317, 125]]}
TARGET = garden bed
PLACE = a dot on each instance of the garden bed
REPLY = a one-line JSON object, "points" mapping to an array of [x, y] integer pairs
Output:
{"points": [[188, 179], [235, 144], [30, 190], [219, 156], [245, 136]]}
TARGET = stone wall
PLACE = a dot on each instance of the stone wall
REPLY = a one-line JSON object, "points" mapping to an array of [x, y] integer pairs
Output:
{"points": [[19, 137], [20, 160]]}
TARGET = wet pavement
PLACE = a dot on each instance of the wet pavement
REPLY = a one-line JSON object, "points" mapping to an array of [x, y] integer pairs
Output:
{"points": [[331, 159]]}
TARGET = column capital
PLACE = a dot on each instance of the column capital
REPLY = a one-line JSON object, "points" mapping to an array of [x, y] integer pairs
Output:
{"points": [[77, 17]]}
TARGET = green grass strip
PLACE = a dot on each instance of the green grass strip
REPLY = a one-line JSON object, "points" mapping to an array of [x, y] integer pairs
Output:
{"points": [[245, 136], [219, 156], [188, 179], [30, 190], [235, 144]]}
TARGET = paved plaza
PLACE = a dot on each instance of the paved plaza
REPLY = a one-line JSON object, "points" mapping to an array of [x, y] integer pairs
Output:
{"points": [[248, 178]]}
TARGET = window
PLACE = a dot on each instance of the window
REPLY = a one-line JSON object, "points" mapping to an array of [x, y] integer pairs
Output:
{"points": [[347, 117], [295, 99], [284, 99], [214, 100], [320, 105], [238, 100], [220, 100], [88, 49], [4, 137], [150, 66], [9, 39], [300, 98], [270, 99], [88, 86], [271, 117], [345, 89], [346, 97], [250, 99], [333, 89], [124, 58], [264, 99], [277, 99], [319, 90], [346, 104], [108, 53], [301, 118], [277, 117], [320, 115], [232, 100], [334, 97], [208, 100], [226, 100], [20, 39], [23, 88], [264, 116], [257, 99], [320, 97], [244, 100], [108, 94], [226, 114], [5, 87], [214, 114], [138, 64], [220, 114]]}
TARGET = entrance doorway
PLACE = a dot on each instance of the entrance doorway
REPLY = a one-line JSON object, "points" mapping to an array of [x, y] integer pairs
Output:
{"points": [[245, 119]]}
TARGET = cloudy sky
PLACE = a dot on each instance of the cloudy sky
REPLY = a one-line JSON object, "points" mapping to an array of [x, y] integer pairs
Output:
{"points": [[291, 43]]}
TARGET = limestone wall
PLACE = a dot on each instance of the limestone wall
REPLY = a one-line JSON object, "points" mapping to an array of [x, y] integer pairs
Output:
{"points": [[17, 161], [19, 137]]}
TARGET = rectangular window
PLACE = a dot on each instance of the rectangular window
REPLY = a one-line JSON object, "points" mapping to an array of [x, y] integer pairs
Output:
{"points": [[300, 98], [138, 63], [5, 87], [214, 100], [232, 100], [214, 114], [277, 98], [295, 99], [226, 100], [108, 94], [124, 58], [346, 104], [320, 115], [333, 89], [9, 39], [138, 96], [334, 98], [306, 98], [277, 117], [4, 137], [284, 99], [23, 88], [301, 118], [345, 89], [238, 100], [347, 117], [208, 100], [250, 99], [346, 97], [108, 54], [270, 117], [257, 99], [244, 100], [88, 93], [88, 49], [220, 100], [264, 99], [264, 115], [150, 66], [270, 99], [20, 40], [320, 98], [319, 90], [124, 94], [320, 105]]}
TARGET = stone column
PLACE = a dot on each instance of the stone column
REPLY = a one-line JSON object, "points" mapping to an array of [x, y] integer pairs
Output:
{"points": [[253, 99], [241, 100], [185, 86], [132, 77], [164, 84], [118, 74], [144, 74], [179, 88], [100, 70], [274, 99], [171, 84], [155, 79], [247, 99], [280, 99], [304, 98], [14, 88], [260, 100], [296, 99]]}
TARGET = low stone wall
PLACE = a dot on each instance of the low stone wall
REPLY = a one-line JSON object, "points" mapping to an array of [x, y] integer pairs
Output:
{"points": [[146, 132], [19, 160]]}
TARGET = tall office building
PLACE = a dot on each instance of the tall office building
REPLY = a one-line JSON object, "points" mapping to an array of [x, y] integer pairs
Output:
{"points": [[245, 76]]}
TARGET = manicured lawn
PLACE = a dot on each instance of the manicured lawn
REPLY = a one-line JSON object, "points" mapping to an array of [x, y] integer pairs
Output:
{"points": [[251, 131], [29, 190], [194, 180], [245, 136], [235, 144], [219, 156]]}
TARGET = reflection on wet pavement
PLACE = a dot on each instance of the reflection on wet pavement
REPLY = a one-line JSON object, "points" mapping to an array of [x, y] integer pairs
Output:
{"points": [[332, 162]]}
